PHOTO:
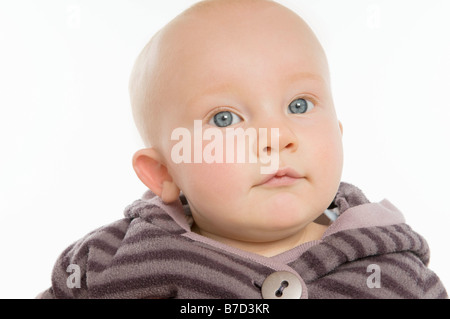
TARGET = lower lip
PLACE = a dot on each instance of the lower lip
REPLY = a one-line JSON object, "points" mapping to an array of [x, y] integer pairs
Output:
{"points": [[281, 181]]}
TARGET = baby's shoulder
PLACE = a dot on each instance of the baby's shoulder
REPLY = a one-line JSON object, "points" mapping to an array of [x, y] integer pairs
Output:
{"points": [[107, 237]]}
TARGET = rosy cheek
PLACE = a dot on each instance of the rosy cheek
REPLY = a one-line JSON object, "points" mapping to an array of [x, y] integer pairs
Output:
{"points": [[329, 154], [215, 179], [209, 155]]}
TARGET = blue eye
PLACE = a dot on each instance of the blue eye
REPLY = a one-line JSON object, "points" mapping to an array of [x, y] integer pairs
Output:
{"points": [[300, 106], [224, 118]]}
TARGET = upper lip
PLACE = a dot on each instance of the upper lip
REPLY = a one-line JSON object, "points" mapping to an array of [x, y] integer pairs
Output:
{"points": [[286, 171]]}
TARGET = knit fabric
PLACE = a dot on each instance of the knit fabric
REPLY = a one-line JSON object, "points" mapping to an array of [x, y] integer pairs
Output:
{"points": [[151, 253]]}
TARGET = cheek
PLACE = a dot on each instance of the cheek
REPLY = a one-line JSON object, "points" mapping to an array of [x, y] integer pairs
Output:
{"points": [[216, 193], [216, 181], [327, 152], [207, 168], [331, 161]]}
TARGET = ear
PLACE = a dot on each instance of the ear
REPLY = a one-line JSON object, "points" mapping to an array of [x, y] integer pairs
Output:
{"points": [[147, 164]]}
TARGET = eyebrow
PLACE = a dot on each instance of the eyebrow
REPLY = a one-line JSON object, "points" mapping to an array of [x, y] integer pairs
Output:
{"points": [[230, 86], [212, 90], [304, 75]]}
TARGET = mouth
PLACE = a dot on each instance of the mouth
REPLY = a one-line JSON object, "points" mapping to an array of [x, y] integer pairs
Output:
{"points": [[283, 177]]}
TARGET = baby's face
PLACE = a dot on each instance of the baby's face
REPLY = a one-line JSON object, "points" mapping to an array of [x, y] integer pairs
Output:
{"points": [[262, 70]]}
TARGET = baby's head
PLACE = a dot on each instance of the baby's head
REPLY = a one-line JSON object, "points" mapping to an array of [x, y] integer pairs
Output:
{"points": [[229, 64]]}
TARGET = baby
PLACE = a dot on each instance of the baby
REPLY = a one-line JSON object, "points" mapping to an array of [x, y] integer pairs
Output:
{"points": [[243, 162]]}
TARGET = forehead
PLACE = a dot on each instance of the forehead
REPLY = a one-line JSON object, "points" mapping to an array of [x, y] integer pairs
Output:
{"points": [[218, 49], [252, 33]]}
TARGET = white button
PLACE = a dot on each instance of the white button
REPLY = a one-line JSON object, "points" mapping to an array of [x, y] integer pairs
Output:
{"points": [[281, 285]]}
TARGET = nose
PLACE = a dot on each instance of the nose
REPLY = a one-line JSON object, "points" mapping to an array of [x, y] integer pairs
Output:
{"points": [[276, 136]]}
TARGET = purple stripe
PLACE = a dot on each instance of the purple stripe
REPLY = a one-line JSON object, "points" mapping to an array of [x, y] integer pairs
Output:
{"points": [[387, 282], [337, 252], [393, 285], [379, 243], [101, 245], [335, 286], [430, 283], [396, 260], [195, 285], [174, 255], [353, 242], [115, 231], [314, 264], [406, 235], [60, 294], [395, 239], [148, 234]]}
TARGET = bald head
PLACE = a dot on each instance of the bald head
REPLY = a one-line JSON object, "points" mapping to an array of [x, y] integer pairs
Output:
{"points": [[165, 65]]}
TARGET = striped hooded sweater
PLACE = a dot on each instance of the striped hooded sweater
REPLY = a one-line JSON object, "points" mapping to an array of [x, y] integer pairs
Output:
{"points": [[152, 253]]}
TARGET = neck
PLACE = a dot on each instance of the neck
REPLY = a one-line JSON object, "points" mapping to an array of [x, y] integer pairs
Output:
{"points": [[312, 231]]}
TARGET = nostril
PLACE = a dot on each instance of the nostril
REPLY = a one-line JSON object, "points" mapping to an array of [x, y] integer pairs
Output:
{"points": [[290, 145], [268, 150]]}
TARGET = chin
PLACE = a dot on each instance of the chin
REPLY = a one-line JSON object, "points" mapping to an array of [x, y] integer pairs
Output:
{"points": [[284, 211], [283, 200]]}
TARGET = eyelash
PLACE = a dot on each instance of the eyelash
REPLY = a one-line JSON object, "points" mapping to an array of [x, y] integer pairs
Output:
{"points": [[219, 109], [309, 98]]}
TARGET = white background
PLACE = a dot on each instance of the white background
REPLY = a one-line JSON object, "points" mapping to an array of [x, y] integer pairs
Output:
{"points": [[67, 135]]}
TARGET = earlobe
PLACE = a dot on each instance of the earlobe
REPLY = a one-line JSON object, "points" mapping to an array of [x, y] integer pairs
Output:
{"points": [[154, 174], [170, 192]]}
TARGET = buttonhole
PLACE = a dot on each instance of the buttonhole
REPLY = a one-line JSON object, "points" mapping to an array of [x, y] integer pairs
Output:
{"points": [[283, 285]]}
